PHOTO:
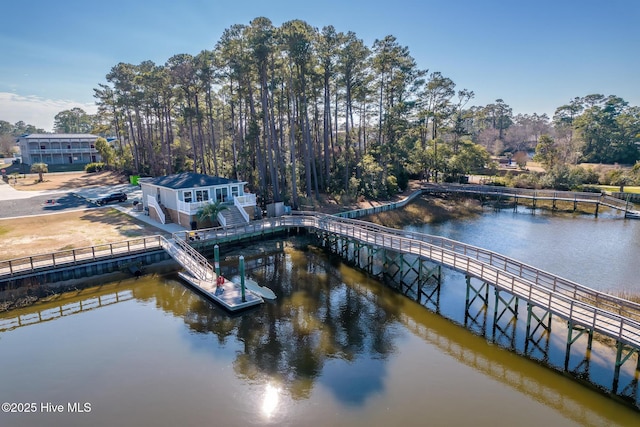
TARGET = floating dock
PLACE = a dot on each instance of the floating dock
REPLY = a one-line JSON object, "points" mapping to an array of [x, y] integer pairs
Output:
{"points": [[228, 294]]}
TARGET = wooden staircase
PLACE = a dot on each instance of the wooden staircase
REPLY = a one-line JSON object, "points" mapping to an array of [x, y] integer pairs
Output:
{"points": [[167, 214], [232, 216]]}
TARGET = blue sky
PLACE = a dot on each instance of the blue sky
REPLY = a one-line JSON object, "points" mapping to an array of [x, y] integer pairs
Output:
{"points": [[535, 55]]}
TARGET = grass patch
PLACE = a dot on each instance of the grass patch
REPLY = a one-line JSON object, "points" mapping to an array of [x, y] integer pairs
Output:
{"points": [[3, 230], [427, 209], [616, 188], [629, 296]]}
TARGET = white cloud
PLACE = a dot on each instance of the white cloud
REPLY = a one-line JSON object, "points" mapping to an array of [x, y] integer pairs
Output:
{"points": [[36, 111]]}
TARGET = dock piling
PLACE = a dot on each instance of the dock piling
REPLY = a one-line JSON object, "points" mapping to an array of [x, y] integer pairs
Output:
{"points": [[241, 261]]}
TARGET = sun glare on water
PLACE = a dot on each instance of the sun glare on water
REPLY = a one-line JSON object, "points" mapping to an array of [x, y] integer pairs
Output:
{"points": [[271, 400]]}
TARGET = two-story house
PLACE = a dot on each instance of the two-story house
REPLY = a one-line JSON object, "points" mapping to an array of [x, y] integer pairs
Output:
{"points": [[58, 148]]}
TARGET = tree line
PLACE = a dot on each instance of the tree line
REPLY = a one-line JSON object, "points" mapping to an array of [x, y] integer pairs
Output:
{"points": [[293, 110], [296, 111]]}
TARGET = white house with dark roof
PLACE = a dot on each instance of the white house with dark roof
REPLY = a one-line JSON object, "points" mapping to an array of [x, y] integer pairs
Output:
{"points": [[178, 198], [58, 148]]}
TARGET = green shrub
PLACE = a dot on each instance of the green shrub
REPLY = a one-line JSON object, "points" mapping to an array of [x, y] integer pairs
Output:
{"points": [[94, 167], [392, 185]]}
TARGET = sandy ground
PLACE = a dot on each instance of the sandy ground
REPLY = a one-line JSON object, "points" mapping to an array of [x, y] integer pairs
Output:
{"points": [[65, 181], [49, 233]]}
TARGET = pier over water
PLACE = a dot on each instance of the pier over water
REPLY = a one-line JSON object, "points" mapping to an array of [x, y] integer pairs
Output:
{"points": [[412, 262]]}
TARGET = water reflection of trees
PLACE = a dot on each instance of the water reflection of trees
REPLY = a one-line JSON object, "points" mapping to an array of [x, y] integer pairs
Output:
{"points": [[315, 318]]}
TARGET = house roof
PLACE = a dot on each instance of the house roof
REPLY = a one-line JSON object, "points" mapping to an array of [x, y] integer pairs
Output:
{"points": [[190, 180], [59, 135]]}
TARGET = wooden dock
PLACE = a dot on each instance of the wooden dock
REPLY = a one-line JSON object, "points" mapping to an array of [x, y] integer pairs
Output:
{"points": [[228, 294], [201, 276]]}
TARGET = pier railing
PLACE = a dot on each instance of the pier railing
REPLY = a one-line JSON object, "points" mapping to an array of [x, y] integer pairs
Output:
{"points": [[513, 277], [604, 313], [535, 275], [607, 314], [26, 265], [525, 193]]}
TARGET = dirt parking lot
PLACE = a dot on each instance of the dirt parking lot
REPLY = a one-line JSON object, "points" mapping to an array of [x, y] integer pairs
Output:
{"points": [[57, 230]]}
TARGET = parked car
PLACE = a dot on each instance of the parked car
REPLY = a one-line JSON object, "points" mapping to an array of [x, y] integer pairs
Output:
{"points": [[113, 197]]}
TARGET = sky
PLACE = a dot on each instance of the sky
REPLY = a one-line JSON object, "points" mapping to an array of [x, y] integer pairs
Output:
{"points": [[535, 55]]}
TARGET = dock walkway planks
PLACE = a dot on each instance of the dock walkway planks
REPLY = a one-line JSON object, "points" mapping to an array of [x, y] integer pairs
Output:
{"points": [[229, 295]]}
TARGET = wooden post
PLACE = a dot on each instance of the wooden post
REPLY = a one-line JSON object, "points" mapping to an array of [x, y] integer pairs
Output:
{"points": [[241, 260], [619, 361], [216, 259], [568, 350]]}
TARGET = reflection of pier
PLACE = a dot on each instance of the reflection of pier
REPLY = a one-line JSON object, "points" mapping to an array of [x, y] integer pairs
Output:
{"points": [[48, 312], [482, 358]]}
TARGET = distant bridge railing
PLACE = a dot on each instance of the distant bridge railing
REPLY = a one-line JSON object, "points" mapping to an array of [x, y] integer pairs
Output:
{"points": [[512, 191], [525, 193], [357, 213]]}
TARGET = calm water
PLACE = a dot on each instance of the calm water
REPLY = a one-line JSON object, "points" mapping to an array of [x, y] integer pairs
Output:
{"points": [[601, 253], [336, 348]]}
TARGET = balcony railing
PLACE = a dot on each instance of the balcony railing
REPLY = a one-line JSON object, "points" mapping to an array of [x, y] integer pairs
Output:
{"points": [[192, 208], [63, 150], [246, 200]]}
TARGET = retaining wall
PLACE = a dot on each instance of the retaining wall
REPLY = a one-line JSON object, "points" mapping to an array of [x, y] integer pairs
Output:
{"points": [[80, 276]]}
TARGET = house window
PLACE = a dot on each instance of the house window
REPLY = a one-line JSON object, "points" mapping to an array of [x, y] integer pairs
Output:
{"points": [[42, 147], [68, 147], [202, 195], [234, 191], [222, 194], [188, 197]]}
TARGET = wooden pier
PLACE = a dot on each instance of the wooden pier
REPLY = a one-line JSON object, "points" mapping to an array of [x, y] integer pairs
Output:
{"points": [[412, 261]]}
